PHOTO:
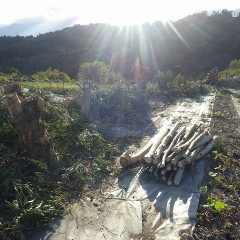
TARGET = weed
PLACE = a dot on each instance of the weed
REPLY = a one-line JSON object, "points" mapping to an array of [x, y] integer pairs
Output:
{"points": [[31, 192], [216, 205], [216, 176], [203, 190], [218, 93], [218, 114], [225, 158]]}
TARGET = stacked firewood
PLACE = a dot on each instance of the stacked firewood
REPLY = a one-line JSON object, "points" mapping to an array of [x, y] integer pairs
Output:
{"points": [[170, 150]]}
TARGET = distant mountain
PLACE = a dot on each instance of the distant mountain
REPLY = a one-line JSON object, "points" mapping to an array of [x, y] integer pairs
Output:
{"points": [[191, 46], [34, 26]]}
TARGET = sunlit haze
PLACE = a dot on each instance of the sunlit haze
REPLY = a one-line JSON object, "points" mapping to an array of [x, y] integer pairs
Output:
{"points": [[115, 12]]}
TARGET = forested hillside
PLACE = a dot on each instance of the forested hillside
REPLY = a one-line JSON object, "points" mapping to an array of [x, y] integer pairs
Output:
{"points": [[191, 46]]}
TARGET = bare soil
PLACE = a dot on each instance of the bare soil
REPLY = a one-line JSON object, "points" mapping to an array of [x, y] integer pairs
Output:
{"points": [[212, 225]]}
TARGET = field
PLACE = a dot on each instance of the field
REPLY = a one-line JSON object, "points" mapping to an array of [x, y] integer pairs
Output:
{"points": [[87, 155], [54, 86]]}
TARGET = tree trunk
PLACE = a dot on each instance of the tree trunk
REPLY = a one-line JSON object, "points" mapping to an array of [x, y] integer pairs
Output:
{"points": [[26, 114]]}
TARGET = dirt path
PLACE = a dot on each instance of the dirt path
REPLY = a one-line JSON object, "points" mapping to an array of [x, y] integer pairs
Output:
{"points": [[224, 184], [136, 207], [235, 95]]}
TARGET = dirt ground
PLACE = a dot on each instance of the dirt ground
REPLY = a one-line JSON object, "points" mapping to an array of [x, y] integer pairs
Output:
{"points": [[224, 187], [224, 184]]}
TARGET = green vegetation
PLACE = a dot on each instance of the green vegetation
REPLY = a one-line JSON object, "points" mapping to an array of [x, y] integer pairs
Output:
{"points": [[218, 114], [174, 85], [99, 73], [51, 79], [32, 193], [232, 70], [51, 86], [162, 49], [203, 189], [51, 75], [11, 76], [215, 204]]}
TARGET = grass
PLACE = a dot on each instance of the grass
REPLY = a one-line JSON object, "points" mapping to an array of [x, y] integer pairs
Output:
{"points": [[32, 193], [50, 86]]}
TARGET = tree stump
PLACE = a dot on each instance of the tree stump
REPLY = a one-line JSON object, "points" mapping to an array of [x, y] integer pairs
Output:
{"points": [[26, 114]]}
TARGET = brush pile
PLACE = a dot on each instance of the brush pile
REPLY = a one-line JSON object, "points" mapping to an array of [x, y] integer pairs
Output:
{"points": [[170, 150]]}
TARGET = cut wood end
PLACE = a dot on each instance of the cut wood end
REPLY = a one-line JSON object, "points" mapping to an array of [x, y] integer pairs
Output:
{"points": [[148, 159], [124, 160]]}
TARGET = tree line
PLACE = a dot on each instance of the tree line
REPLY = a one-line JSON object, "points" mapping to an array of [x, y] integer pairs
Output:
{"points": [[190, 46]]}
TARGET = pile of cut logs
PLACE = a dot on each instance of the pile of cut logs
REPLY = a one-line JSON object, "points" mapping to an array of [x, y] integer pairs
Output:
{"points": [[170, 150]]}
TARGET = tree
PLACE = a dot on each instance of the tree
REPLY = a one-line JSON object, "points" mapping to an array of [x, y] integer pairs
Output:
{"points": [[98, 73], [95, 72]]}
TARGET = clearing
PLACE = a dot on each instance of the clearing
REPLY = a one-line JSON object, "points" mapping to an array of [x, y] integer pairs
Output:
{"points": [[132, 205]]}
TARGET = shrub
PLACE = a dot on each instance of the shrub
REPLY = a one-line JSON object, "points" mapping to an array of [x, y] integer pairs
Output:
{"points": [[232, 70], [120, 103], [98, 73], [51, 75]]}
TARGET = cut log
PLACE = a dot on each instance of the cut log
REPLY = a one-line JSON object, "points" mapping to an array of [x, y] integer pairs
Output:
{"points": [[177, 158], [207, 149], [193, 143], [155, 160], [126, 159], [166, 153], [159, 137], [192, 155], [204, 140], [189, 159], [182, 163], [164, 171], [169, 166], [170, 157], [165, 141], [152, 168], [186, 144], [190, 131], [170, 178], [178, 176], [188, 134]]}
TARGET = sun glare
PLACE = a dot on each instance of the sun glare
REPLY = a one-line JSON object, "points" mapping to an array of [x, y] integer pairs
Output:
{"points": [[114, 12]]}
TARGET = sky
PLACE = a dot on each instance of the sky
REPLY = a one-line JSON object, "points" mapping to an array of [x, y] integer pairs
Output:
{"points": [[31, 17], [115, 12]]}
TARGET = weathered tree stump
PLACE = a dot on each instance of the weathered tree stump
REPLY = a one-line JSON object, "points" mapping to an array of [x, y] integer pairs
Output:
{"points": [[26, 114]]}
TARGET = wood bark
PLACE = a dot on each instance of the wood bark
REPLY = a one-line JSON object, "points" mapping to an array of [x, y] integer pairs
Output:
{"points": [[126, 159], [159, 137], [207, 149], [166, 153], [164, 143], [178, 176], [26, 114], [184, 146]]}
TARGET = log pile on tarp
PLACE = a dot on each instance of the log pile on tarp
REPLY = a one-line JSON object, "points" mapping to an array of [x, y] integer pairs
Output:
{"points": [[167, 153]]}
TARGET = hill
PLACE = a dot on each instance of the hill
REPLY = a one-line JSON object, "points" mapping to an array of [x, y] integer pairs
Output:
{"points": [[191, 46]]}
